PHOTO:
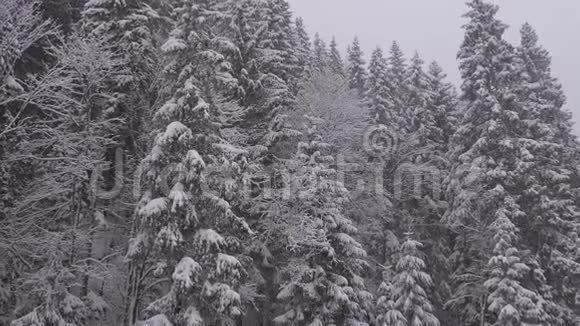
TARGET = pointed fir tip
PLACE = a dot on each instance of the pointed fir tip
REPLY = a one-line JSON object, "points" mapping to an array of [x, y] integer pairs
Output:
{"points": [[529, 37], [355, 47], [435, 69], [417, 60], [396, 51], [395, 46], [377, 52]]}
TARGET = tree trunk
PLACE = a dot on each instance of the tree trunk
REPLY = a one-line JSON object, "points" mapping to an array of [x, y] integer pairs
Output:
{"points": [[133, 294], [482, 313]]}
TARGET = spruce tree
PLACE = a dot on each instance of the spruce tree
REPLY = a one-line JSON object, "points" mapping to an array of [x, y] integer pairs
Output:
{"points": [[324, 263], [320, 53], [266, 72], [267, 98], [130, 23], [304, 50], [483, 35], [442, 102], [425, 123], [282, 60], [276, 73], [442, 106], [187, 230], [418, 116], [549, 200], [410, 287], [356, 73], [491, 161], [246, 33], [386, 313], [396, 69], [544, 93], [377, 90], [509, 301], [335, 63]]}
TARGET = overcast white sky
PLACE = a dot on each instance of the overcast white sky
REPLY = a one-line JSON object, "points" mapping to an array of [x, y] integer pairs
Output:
{"points": [[433, 27]]}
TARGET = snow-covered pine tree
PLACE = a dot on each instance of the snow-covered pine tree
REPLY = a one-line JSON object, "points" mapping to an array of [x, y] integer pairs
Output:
{"points": [[376, 96], [270, 61], [266, 92], [545, 92], [304, 49], [426, 206], [510, 302], [323, 262], [472, 153], [443, 105], [129, 23], [386, 313], [335, 63], [490, 160], [419, 120], [550, 200], [396, 70], [410, 289], [320, 57], [356, 73], [245, 32], [262, 77], [418, 116], [187, 229], [397, 64], [282, 60], [436, 126]]}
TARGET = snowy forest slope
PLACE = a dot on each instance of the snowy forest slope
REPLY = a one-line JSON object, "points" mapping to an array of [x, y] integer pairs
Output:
{"points": [[194, 162]]}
